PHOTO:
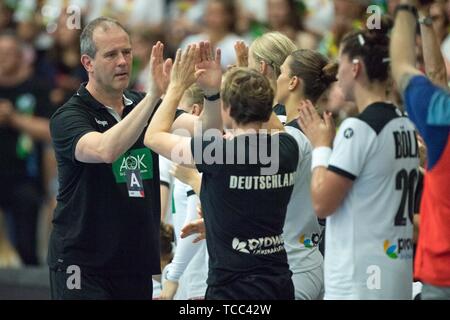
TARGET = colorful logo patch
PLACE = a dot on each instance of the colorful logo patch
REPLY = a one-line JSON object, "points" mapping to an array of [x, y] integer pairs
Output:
{"points": [[137, 159], [391, 250], [311, 242]]}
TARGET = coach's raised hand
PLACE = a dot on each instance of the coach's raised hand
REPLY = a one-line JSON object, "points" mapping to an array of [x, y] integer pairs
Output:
{"points": [[160, 71]]}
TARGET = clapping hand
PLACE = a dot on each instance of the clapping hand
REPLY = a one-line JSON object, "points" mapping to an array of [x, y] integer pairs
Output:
{"points": [[320, 131]]}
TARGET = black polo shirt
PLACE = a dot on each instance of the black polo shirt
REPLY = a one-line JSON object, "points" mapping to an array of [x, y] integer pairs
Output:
{"points": [[97, 225], [244, 208]]}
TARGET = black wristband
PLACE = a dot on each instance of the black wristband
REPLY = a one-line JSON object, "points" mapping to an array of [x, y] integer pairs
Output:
{"points": [[406, 7], [214, 97]]}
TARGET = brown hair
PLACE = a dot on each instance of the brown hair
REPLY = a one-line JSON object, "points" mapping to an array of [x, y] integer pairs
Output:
{"points": [[316, 71], [372, 46], [249, 95], [167, 237], [230, 8]]}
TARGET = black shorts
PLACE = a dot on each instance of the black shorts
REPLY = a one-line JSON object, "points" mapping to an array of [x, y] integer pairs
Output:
{"points": [[63, 286], [254, 287]]}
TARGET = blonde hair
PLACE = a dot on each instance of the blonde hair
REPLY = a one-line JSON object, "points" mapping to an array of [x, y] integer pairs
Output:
{"points": [[193, 95], [272, 48]]}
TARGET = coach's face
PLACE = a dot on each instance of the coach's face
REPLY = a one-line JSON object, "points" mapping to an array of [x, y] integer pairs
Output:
{"points": [[111, 66]]}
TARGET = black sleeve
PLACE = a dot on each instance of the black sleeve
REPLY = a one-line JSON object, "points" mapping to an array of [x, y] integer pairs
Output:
{"points": [[67, 126]]}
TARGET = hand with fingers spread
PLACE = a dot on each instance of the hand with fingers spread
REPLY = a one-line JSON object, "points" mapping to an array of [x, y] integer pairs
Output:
{"points": [[194, 227], [320, 131], [160, 70], [209, 71], [183, 71], [241, 50]]}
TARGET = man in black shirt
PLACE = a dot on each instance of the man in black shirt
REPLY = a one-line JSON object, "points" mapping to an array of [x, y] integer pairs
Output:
{"points": [[105, 240], [24, 112]]}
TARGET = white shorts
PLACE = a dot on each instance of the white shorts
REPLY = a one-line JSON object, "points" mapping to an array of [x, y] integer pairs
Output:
{"points": [[309, 285]]}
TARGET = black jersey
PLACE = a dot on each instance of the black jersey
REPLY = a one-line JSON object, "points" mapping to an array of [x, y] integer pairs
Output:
{"points": [[245, 206]]}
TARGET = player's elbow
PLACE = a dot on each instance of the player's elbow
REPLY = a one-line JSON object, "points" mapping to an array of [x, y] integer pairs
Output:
{"points": [[150, 140], [109, 157], [323, 208], [322, 212]]}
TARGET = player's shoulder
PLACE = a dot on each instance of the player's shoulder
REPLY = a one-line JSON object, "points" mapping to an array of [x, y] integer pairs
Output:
{"points": [[378, 115]]}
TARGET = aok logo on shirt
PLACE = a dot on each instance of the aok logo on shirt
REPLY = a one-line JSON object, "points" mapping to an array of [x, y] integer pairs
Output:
{"points": [[402, 250], [137, 159]]}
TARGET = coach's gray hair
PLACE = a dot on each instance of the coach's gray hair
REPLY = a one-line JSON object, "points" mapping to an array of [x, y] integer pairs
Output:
{"points": [[87, 44]]}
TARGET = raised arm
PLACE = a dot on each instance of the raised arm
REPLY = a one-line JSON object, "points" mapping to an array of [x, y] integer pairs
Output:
{"points": [[157, 136], [209, 79], [402, 47], [434, 61], [96, 147]]}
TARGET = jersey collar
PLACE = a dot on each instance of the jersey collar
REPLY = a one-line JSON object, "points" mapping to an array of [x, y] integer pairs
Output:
{"points": [[86, 96]]}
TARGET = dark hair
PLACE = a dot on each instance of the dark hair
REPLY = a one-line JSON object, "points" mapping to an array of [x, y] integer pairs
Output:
{"points": [[166, 238], [9, 33], [295, 14], [87, 44], [248, 94], [372, 46], [231, 10], [316, 71]]}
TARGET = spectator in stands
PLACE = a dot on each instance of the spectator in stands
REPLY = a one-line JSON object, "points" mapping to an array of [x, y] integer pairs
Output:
{"points": [[220, 19], [286, 16], [24, 109]]}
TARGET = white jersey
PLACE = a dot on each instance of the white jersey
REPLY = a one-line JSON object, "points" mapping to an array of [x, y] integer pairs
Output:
{"points": [[165, 178], [181, 192], [192, 283], [368, 239], [190, 264], [301, 230]]}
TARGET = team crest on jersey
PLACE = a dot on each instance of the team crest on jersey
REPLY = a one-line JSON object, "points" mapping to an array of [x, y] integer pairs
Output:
{"points": [[402, 250], [348, 133], [310, 242]]}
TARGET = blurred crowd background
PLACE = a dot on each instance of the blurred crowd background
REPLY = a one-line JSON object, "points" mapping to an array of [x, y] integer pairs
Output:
{"points": [[40, 69]]}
